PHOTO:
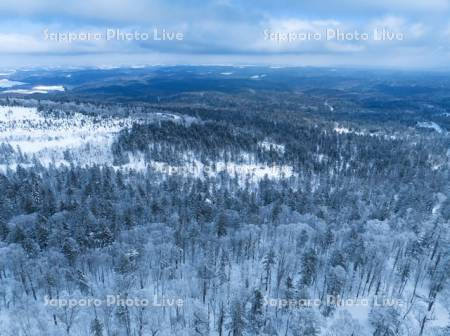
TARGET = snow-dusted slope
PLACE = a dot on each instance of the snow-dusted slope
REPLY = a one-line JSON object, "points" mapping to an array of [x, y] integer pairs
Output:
{"points": [[85, 140], [79, 138]]}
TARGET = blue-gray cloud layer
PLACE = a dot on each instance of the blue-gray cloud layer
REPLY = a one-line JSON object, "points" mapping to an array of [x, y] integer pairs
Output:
{"points": [[228, 31]]}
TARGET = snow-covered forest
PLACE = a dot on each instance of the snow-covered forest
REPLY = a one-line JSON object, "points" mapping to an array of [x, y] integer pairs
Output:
{"points": [[129, 220]]}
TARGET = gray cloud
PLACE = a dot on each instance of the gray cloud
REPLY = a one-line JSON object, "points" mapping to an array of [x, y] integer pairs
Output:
{"points": [[228, 30]]}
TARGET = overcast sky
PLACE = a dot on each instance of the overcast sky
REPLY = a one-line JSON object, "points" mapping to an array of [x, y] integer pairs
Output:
{"points": [[226, 32]]}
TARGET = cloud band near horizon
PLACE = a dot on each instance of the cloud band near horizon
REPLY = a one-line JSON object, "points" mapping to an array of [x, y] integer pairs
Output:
{"points": [[227, 32]]}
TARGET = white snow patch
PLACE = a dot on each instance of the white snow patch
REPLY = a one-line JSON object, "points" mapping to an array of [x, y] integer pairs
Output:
{"points": [[24, 91], [82, 139], [267, 145], [342, 130], [195, 168], [345, 130], [49, 88], [440, 317], [6, 83], [17, 113], [329, 106], [258, 76], [169, 116], [431, 125], [254, 172], [36, 89], [359, 313]]}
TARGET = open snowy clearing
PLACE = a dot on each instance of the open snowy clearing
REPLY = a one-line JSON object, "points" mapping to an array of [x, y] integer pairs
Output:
{"points": [[35, 89], [6, 83], [192, 167], [83, 139], [86, 140]]}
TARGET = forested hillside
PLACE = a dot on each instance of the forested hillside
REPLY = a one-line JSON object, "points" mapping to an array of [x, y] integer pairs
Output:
{"points": [[220, 219]]}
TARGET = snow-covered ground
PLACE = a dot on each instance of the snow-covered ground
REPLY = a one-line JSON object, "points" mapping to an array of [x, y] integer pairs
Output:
{"points": [[258, 76], [6, 83], [330, 107], [268, 145], [36, 89], [193, 167], [345, 130], [342, 130], [85, 140], [431, 125], [49, 88]]}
